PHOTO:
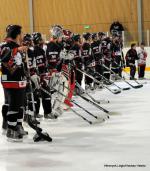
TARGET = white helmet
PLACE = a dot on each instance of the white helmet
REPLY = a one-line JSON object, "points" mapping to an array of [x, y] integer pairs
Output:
{"points": [[56, 31]]}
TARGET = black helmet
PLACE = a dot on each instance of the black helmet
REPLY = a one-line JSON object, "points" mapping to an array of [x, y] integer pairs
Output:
{"points": [[76, 37], [36, 37], [13, 31], [27, 38], [94, 36], [86, 36], [8, 27], [100, 34]]}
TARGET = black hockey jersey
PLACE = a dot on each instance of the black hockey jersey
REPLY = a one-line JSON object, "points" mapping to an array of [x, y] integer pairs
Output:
{"points": [[117, 55], [88, 59], [31, 60], [116, 49], [106, 49], [96, 50], [53, 54], [40, 59], [131, 56], [12, 68], [76, 50]]}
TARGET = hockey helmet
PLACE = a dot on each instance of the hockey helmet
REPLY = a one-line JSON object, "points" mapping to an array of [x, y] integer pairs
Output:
{"points": [[67, 34], [101, 34], [56, 31], [36, 37], [27, 38], [94, 36], [86, 36], [76, 37]]}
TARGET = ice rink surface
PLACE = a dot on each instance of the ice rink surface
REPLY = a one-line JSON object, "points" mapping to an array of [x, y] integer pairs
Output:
{"points": [[78, 146]]}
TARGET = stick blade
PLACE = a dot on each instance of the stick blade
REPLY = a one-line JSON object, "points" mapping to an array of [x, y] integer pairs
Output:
{"points": [[126, 88], [116, 91], [99, 121], [138, 86], [114, 113]]}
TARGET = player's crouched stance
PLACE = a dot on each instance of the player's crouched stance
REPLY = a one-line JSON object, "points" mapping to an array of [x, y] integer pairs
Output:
{"points": [[13, 82]]}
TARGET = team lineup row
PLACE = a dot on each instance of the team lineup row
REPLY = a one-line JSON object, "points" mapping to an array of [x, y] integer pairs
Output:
{"points": [[32, 69]]}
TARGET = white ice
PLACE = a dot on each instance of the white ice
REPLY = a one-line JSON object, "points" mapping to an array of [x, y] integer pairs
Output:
{"points": [[78, 146]]}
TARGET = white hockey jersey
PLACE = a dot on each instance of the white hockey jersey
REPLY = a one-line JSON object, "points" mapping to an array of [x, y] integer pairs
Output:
{"points": [[142, 54]]}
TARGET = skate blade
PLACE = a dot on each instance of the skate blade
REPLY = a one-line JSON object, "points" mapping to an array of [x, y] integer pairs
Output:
{"points": [[14, 140]]}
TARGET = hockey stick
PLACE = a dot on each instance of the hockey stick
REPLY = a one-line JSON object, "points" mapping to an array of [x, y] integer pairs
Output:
{"points": [[39, 135], [111, 82], [85, 119], [97, 101], [128, 74], [115, 91], [135, 87], [94, 103], [53, 87], [96, 117], [97, 105]]}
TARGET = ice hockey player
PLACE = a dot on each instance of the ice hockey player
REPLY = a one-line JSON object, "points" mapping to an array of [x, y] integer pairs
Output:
{"points": [[116, 27], [117, 55], [101, 36], [96, 52], [88, 59], [142, 55], [76, 50], [54, 48], [27, 41], [42, 72], [68, 65], [106, 52], [14, 82], [131, 57], [67, 39]]}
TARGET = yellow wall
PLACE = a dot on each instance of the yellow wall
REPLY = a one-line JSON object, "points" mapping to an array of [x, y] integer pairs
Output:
{"points": [[74, 14], [146, 14], [13, 12]]}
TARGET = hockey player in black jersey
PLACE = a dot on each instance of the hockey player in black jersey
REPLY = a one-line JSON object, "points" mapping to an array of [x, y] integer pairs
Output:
{"points": [[41, 67], [106, 52], [117, 54], [27, 40], [88, 58], [101, 36], [13, 81], [96, 52], [131, 57], [54, 48], [76, 50]]}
